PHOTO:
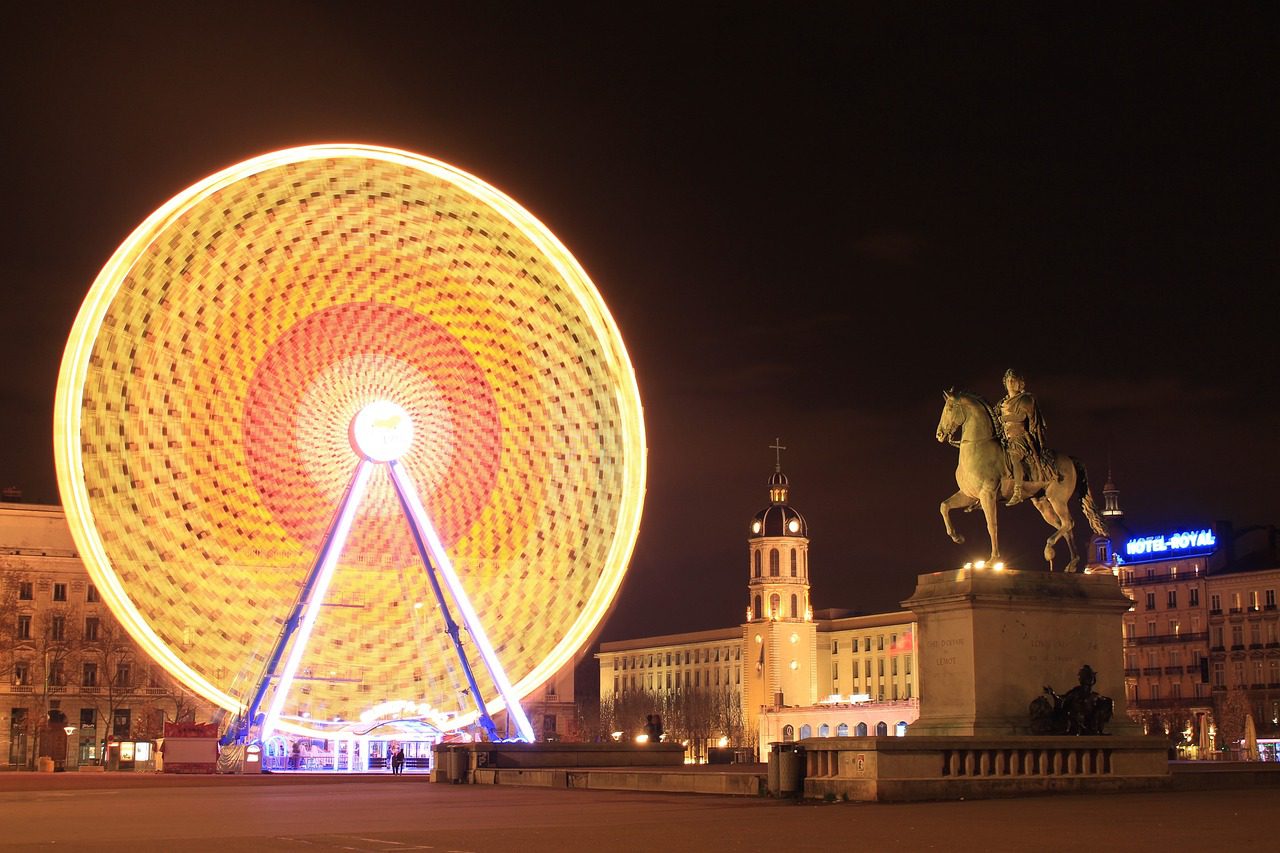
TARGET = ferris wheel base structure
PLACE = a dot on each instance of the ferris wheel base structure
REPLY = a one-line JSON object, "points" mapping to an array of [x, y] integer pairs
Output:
{"points": [[273, 318]]}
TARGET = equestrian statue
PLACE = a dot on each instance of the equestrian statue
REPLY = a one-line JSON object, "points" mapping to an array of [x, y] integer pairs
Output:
{"points": [[1002, 455]]}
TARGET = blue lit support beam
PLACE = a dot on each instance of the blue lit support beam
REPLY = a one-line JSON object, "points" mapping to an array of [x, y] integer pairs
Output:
{"points": [[434, 558], [310, 601]]}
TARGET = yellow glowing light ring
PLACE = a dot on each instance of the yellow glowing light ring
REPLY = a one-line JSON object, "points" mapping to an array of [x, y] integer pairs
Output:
{"points": [[76, 363]]}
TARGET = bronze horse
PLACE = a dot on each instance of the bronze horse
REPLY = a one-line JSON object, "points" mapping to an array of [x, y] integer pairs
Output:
{"points": [[983, 478]]}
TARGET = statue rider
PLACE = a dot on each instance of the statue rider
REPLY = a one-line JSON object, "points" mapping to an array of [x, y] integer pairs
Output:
{"points": [[1024, 433]]}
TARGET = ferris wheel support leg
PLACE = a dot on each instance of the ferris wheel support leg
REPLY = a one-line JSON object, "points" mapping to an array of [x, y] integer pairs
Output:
{"points": [[434, 558], [302, 618]]}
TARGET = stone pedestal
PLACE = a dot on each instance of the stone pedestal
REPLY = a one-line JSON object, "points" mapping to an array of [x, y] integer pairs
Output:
{"points": [[989, 641]]}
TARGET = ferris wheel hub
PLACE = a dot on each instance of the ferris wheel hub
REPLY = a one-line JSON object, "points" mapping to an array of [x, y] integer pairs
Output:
{"points": [[382, 431]]}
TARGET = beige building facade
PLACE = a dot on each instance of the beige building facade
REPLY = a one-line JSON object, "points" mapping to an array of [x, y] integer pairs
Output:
{"points": [[785, 659], [62, 650]]}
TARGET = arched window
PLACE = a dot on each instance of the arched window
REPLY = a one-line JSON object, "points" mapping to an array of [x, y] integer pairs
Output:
{"points": [[757, 612], [805, 731], [793, 607], [788, 733], [773, 562], [900, 730], [882, 730], [775, 606], [824, 730], [842, 730], [757, 564], [793, 562], [860, 730]]}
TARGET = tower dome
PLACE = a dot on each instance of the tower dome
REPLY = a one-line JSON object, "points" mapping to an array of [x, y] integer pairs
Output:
{"points": [[779, 518]]}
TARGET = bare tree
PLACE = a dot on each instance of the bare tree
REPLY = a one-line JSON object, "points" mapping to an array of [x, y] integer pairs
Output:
{"points": [[111, 668]]}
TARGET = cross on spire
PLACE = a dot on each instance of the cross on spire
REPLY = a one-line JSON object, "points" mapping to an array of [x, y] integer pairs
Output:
{"points": [[777, 448]]}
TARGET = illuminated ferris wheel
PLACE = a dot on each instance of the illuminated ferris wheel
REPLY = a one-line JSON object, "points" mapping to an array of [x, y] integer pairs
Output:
{"points": [[343, 425]]}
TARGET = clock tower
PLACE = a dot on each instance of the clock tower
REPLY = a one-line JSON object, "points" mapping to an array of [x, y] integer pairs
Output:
{"points": [[779, 637]]}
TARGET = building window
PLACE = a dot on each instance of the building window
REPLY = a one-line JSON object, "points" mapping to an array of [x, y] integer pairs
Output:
{"points": [[124, 671], [58, 628], [880, 667], [1215, 603], [1271, 599], [757, 612], [793, 562], [24, 627], [893, 666], [57, 675], [1219, 674], [868, 669], [91, 629], [907, 662], [21, 672], [26, 592], [880, 642], [548, 724], [824, 730], [59, 592], [120, 723], [88, 718], [1151, 601], [1128, 630], [773, 562], [835, 647], [793, 607], [842, 730], [1172, 600], [757, 569], [806, 731], [91, 594], [1237, 636], [1217, 637], [866, 644], [90, 675], [1175, 627], [775, 605], [1195, 596], [1151, 628]]}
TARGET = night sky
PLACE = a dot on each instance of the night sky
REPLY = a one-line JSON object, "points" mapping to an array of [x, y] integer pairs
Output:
{"points": [[806, 226]]}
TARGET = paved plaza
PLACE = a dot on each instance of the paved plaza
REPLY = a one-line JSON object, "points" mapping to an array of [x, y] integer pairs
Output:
{"points": [[389, 814]]}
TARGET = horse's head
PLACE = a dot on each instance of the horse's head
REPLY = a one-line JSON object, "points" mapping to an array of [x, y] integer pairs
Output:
{"points": [[952, 416]]}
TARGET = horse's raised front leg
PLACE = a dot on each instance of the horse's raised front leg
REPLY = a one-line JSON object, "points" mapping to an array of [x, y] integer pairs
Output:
{"points": [[957, 501], [988, 498]]}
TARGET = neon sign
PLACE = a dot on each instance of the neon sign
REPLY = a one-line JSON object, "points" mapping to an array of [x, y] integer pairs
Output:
{"points": [[1186, 543]]}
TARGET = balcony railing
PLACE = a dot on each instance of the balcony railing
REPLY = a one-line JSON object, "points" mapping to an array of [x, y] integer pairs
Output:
{"points": [[1181, 637], [1182, 702]]}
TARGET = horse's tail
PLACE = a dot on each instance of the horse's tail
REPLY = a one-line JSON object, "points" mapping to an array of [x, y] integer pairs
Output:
{"points": [[1086, 500]]}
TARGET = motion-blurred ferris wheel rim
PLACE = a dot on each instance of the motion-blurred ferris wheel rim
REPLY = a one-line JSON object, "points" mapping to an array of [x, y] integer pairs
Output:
{"points": [[140, 327]]}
